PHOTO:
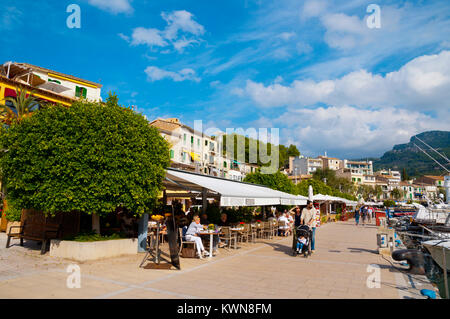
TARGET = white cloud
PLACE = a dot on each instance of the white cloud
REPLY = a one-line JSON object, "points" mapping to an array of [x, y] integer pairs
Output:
{"points": [[113, 6], [155, 74], [181, 20], [150, 37], [181, 32], [286, 35], [423, 83], [353, 132], [313, 8]]}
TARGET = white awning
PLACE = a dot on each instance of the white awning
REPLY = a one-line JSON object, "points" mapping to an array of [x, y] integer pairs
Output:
{"points": [[232, 193]]}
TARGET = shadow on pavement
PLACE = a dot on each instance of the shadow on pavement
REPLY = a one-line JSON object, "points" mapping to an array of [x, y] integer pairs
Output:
{"points": [[360, 250]]}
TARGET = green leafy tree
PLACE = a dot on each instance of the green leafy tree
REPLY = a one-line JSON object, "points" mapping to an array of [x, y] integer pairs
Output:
{"points": [[277, 181], [87, 157], [112, 99], [397, 193], [249, 143], [388, 203], [405, 176]]}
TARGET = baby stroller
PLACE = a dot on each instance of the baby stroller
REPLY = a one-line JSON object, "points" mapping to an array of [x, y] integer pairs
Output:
{"points": [[302, 231]]}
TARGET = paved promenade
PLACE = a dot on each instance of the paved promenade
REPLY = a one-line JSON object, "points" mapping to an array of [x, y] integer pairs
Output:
{"points": [[338, 269]]}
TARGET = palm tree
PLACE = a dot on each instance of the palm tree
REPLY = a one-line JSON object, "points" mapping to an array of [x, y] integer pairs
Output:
{"points": [[22, 106]]}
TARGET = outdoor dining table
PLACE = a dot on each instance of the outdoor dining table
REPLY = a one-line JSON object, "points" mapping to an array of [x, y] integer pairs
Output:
{"points": [[211, 234]]}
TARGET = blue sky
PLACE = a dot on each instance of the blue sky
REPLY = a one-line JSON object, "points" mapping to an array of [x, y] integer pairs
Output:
{"points": [[311, 68]]}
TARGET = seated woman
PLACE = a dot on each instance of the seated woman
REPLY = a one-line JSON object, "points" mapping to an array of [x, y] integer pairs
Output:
{"points": [[192, 235]]}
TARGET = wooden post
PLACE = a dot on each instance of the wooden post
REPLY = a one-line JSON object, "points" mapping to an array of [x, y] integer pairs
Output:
{"points": [[96, 223], [142, 233]]}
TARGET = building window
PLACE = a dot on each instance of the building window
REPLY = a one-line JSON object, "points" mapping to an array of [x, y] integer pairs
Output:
{"points": [[206, 142], [198, 142], [184, 138], [224, 164], [184, 157], [80, 91], [192, 140], [359, 179], [55, 81], [172, 154]]}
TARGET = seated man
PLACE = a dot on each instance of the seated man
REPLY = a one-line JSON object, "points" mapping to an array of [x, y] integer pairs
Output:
{"points": [[192, 235], [223, 220]]}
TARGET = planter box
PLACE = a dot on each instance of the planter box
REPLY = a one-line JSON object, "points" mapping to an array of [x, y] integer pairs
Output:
{"points": [[84, 251]]}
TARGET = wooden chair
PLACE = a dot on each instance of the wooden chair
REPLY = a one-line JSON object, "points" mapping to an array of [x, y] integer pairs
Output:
{"points": [[266, 231], [253, 232], [188, 252], [245, 233], [228, 236], [274, 226]]}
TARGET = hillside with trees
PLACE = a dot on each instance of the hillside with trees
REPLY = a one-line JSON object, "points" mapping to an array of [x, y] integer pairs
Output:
{"points": [[284, 151]]}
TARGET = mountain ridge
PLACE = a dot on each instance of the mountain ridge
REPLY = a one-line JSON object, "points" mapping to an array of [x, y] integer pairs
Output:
{"points": [[407, 156]]}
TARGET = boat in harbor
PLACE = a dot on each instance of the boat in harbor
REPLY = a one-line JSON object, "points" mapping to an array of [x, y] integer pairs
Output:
{"points": [[437, 249]]}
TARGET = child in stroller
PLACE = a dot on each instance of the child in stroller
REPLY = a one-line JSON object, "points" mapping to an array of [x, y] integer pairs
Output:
{"points": [[303, 241]]}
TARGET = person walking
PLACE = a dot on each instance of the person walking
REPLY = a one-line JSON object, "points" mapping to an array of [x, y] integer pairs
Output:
{"points": [[309, 217], [357, 213], [364, 215], [369, 215], [297, 222]]}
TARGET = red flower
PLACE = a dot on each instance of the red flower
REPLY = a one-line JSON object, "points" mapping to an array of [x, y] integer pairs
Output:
{"points": [[258, 221], [242, 223]]}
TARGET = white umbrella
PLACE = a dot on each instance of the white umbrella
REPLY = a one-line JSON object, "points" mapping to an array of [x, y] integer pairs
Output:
{"points": [[310, 193]]}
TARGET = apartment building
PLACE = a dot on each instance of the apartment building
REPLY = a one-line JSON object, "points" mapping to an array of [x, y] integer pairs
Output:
{"points": [[305, 165], [189, 149], [393, 177], [432, 180], [194, 151], [331, 163], [50, 85]]}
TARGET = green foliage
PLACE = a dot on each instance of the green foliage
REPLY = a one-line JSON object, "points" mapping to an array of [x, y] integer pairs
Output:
{"points": [[93, 236], [251, 144], [87, 158], [12, 213], [112, 99], [388, 203], [342, 185], [338, 217], [277, 181], [320, 187], [397, 193]]}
